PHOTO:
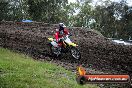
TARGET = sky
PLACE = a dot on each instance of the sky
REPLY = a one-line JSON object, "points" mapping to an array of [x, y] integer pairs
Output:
{"points": [[128, 1]]}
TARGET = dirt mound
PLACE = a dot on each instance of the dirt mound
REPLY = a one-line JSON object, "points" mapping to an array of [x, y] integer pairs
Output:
{"points": [[97, 51]]}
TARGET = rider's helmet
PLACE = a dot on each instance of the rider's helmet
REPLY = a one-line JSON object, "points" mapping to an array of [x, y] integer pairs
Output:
{"points": [[62, 25]]}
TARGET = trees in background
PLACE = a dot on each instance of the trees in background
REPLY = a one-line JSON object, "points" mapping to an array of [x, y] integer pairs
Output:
{"points": [[112, 19], [4, 8], [114, 22], [51, 11]]}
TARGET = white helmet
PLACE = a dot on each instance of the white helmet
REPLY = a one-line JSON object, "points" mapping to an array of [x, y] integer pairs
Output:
{"points": [[61, 25]]}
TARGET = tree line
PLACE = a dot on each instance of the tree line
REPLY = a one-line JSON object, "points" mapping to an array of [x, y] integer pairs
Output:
{"points": [[112, 19]]}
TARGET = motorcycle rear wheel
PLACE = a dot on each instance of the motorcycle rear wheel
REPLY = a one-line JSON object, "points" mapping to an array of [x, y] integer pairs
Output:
{"points": [[55, 51]]}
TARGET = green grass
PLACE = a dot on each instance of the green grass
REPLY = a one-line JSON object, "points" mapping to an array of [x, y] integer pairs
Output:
{"points": [[21, 71]]}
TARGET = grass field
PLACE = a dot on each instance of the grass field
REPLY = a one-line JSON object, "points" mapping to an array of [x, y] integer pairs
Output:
{"points": [[21, 71]]}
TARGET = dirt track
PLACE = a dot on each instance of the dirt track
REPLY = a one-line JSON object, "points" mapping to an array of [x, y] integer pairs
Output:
{"points": [[97, 51]]}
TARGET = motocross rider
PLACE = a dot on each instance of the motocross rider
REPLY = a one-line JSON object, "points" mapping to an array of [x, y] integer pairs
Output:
{"points": [[61, 33]]}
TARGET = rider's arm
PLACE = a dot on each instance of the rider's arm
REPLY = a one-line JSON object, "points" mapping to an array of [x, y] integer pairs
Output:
{"points": [[56, 36], [66, 31]]}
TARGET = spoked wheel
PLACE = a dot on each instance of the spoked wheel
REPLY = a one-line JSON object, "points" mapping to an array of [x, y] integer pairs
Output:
{"points": [[81, 80], [75, 53], [55, 51]]}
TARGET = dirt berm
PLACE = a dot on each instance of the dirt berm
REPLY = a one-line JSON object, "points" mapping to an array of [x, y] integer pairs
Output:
{"points": [[96, 50]]}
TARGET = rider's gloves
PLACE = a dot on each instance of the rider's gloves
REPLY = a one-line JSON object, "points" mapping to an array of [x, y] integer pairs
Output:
{"points": [[70, 34], [61, 39]]}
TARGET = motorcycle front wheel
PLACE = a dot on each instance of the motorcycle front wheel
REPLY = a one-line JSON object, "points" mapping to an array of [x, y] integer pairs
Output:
{"points": [[75, 53]]}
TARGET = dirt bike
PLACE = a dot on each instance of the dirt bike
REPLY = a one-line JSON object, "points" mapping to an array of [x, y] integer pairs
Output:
{"points": [[67, 47]]}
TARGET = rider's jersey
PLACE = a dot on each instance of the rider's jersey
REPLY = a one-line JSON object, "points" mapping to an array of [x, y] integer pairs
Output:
{"points": [[61, 34]]}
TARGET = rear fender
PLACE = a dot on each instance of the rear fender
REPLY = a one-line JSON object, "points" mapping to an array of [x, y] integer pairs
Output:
{"points": [[73, 44], [52, 42], [50, 39]]}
